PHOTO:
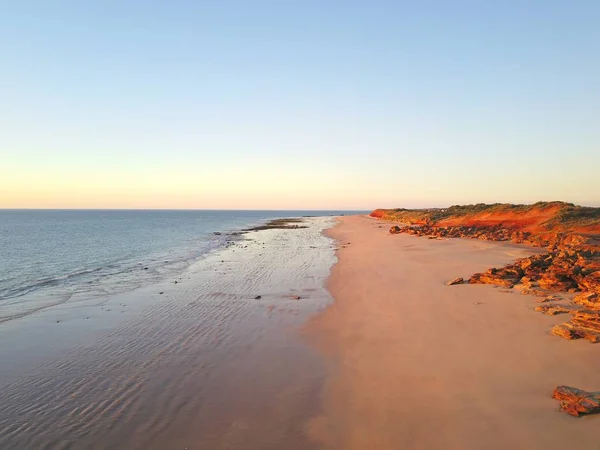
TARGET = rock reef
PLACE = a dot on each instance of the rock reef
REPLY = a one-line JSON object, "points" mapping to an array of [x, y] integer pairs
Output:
{"points": [[280, 224]]}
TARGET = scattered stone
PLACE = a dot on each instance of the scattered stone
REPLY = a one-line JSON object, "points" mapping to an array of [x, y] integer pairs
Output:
{"points": [[553, 310], [295, 297], [458, 280], [576, 402], [161, 293], [535, 292], [395, 229], [570, 331], [491, 278], [258, 297]]}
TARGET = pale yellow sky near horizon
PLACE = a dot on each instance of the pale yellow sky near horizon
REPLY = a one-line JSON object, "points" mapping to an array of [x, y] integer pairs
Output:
{"points": [[260, 188]]}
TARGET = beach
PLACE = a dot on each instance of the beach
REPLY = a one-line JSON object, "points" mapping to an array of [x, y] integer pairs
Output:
{"points": [[416, 364], [322, 334], [210, 358]]}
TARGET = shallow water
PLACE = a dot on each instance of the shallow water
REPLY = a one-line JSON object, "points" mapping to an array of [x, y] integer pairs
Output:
{"points": [[52, 257], [204, 365]]}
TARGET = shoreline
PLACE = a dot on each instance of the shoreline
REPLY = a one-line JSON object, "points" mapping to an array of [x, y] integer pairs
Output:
{"points": [[107, 278], [210, 362], [416, 364]]}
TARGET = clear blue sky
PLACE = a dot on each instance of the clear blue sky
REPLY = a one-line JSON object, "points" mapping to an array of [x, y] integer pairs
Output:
{"points": [[298, 104]]}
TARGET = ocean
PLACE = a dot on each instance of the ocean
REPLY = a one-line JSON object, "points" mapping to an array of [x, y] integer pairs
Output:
{"points": [[49, 256], [145, 330]]}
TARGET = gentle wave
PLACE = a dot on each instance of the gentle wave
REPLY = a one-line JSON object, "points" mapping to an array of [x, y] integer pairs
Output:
{"points": [[45, 282], [111, 278]]}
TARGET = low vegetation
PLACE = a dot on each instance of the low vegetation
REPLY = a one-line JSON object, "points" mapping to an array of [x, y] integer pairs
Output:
{"points": [[541, 216]]}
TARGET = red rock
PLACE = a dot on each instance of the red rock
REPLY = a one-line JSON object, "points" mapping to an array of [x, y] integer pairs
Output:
{"points": [[572, 264], [572, 331], [564, 330], [486, 278], [588, 299], [576, 402], [458, 280], [553, 310]]}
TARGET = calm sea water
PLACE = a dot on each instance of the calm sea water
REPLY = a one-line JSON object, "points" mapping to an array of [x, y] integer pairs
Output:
{"points": [[48, 256]]}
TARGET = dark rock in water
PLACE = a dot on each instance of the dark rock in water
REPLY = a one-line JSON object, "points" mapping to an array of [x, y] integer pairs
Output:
{"points": [[161, 293], [576, 402], [145, 268], [175, 281], [282, 224], [216, 233], [258, 297]]}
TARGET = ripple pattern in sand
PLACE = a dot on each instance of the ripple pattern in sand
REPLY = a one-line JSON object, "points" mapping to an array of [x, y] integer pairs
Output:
{"points": [[207, 367]]}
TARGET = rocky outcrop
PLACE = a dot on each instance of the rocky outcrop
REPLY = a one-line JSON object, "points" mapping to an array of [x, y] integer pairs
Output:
{"points": [[536, 219], [576, 402], [496, 233], [572, 264]]}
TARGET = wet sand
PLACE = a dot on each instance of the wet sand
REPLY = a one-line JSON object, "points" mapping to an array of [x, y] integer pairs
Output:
{"points": [[195, 362], [416, 364]]}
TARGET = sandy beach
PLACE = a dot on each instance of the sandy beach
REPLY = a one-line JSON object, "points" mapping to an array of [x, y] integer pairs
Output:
{"points": [[254, 347], [416, 364]]}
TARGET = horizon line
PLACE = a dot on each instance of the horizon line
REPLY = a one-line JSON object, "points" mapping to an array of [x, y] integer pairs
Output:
{"points": [[178, 209]]}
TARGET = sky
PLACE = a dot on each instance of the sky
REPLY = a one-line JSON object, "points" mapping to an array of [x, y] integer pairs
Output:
{"points": [[298, 104]]}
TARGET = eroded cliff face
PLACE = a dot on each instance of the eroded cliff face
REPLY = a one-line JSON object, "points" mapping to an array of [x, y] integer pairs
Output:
{"points": [[570, 233], [539, 219]]}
